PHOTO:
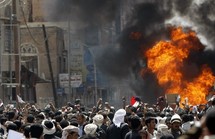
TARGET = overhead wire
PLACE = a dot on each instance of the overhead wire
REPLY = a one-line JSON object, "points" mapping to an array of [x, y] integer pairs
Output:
{"points": [[2, 4], [29, 31], [25, 22]]}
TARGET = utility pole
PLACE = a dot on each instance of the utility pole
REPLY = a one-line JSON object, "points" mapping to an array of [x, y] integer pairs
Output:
{"points": [[16, 48], [69, 62], [50, 65]]}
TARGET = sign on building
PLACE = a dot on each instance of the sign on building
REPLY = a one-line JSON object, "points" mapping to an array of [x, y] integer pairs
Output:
{"points": [[75, 80]]}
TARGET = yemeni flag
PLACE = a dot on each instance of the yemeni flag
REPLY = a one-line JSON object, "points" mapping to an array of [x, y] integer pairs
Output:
{"points": [[135, 101]]}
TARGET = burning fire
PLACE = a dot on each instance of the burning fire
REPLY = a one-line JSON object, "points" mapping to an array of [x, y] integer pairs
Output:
{"points": [[165, 59]]}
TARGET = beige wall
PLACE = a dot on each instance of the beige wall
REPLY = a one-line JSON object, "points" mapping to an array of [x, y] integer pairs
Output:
{"points": [[37, 10], [44, 94], [54, 49]]}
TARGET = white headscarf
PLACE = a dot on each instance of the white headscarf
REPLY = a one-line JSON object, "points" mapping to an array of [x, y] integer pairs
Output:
{"points": [[119, 117]]}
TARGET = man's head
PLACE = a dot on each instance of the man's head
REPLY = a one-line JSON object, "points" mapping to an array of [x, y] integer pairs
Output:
{"points": [[36, 131], [151, 122], [135, 122], [30, 118], [81, 118], [90, 129], [48, 127], [209, 121], [98, 119], [70, 132], [176, 122]]}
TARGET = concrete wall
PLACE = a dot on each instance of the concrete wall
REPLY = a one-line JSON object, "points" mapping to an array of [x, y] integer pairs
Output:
{"points": [[44, 94]]}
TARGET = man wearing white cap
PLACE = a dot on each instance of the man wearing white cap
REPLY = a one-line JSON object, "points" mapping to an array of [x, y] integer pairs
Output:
{"points": [[119, 128], [176, 129], [70, 132], [49, 129], [98, 120]]}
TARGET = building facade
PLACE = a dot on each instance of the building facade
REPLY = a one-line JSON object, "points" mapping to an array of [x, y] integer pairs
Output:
{"points": [[73, 48]]}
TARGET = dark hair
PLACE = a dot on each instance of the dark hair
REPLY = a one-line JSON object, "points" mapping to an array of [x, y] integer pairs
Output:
{"points": [[133, 109], [36, 131], [149, 119], [88, 136], [185, 118], [58, 118], [58, 113], [18, 124], [12, 126], [213, 101], [51, 114], [3, 120], [64, 123], [27, 131], [74, 122], [1, 131], [81, 115], [30, 118], [209, 121], [135, 122], [11, 115], [40, 116], [167, 136]]}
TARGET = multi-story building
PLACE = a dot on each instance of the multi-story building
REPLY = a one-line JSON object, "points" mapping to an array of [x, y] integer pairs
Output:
{"points": [[39, 64], [72, 40]]}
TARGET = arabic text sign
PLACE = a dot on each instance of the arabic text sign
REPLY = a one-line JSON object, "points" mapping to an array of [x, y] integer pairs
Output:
{"points": [[75, 80]]}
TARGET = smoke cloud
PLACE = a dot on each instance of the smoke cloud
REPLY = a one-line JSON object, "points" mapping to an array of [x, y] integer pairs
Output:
{"points": [[149, 24], [151, 20], [88, 11]]}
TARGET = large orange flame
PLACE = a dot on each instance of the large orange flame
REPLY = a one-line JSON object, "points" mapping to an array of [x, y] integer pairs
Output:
{"points": [[165, 59]]}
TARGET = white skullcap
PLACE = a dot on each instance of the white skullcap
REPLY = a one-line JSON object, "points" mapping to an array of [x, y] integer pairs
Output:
{"points": [[90, 129], [98, 119], [67, 130]]}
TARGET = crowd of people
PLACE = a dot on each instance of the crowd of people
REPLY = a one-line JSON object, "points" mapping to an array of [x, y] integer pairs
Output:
{"points": [[103, 121]]}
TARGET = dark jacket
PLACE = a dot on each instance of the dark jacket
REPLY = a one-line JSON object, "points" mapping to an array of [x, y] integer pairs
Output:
{"points": [[134, 134], [114, 132], [50, 136]]}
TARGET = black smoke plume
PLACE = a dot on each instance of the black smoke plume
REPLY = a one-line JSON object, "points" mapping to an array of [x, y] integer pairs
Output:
{"points": [[149, 24], [88, 11], [151, 20]]}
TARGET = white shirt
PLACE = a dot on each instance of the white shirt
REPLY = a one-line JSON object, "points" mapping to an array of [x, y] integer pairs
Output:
{"points": [[209, 137]]}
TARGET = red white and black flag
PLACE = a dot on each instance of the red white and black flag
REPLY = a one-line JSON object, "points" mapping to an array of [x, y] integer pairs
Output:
{"points": [[135, 101]]}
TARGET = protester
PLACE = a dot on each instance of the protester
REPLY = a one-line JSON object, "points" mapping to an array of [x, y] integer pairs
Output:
{"points": [[150, 126], [144, 134], [144, 121], [49, 129], [26, 131], [70, 132], [81, 119], [118, 129], [36, 131], [209, 123], [135, 123], [3, 128], [90, 129], [98, 120], [176, 129]]}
